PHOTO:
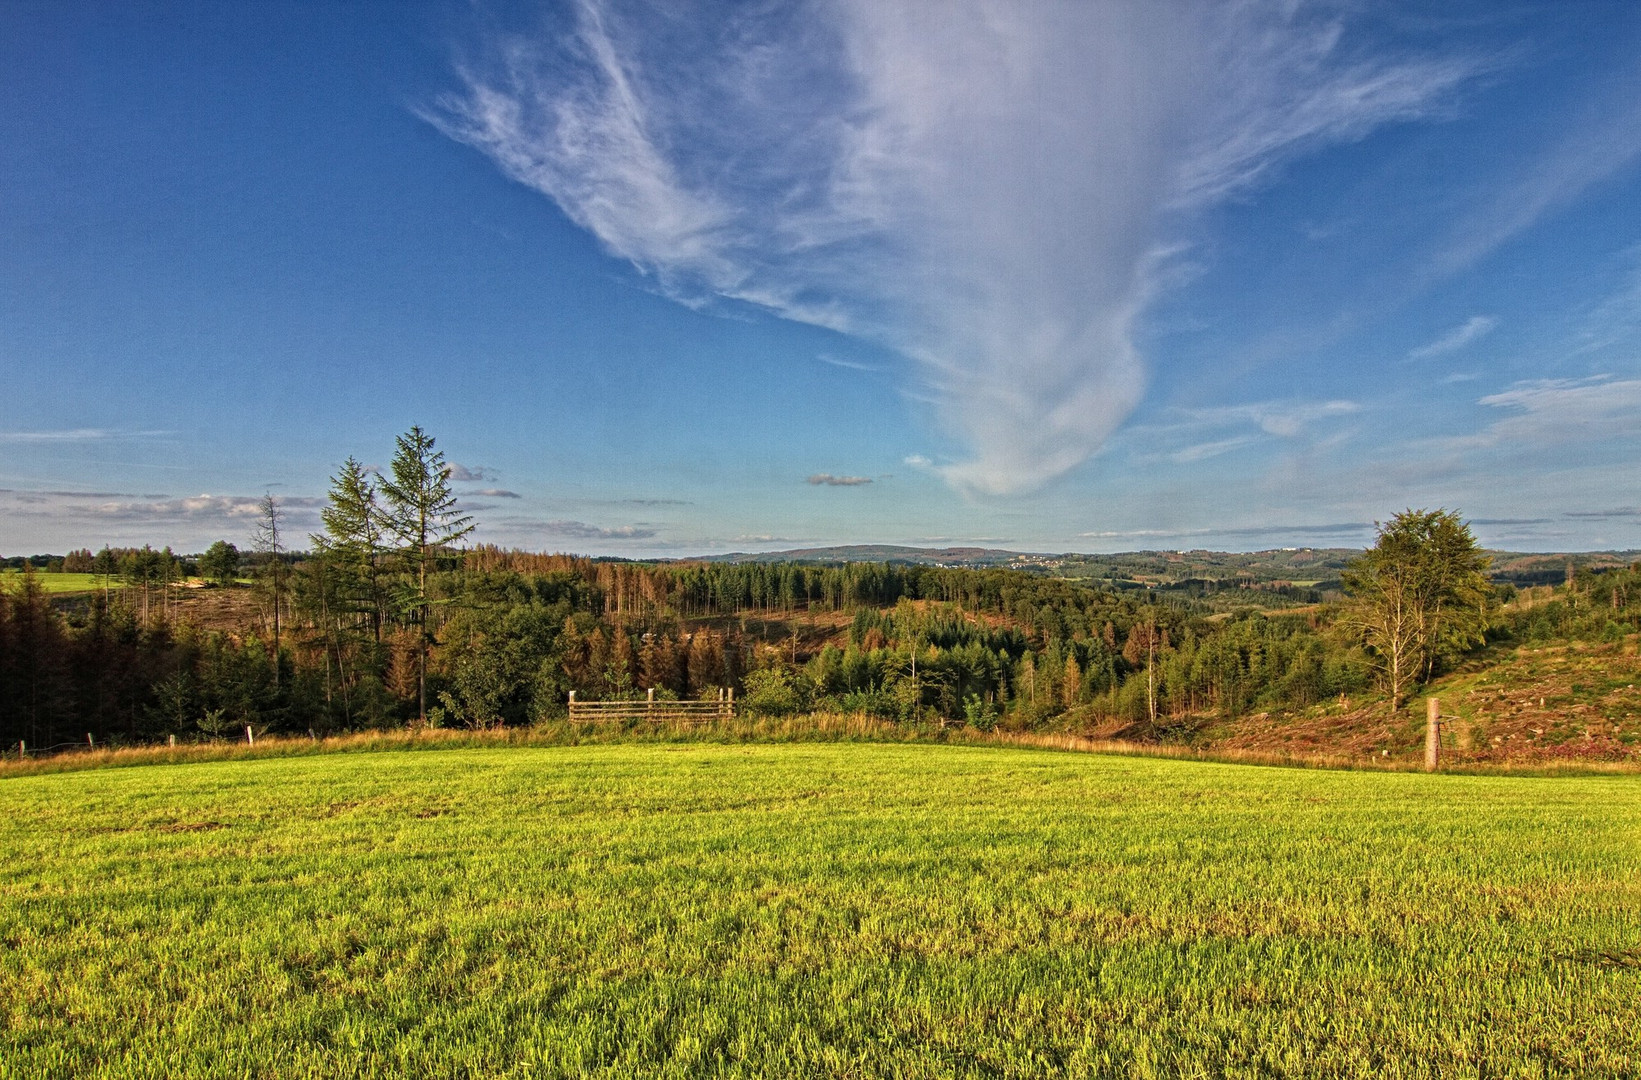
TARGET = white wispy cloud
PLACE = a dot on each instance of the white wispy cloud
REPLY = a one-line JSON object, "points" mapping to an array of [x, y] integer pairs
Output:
{"points": [[1549, 411], [78, 435], [1590, 149], [1213, 448], [986, 187], [1212, 431], [1334, 532], [828, 480], [852, 365], [1472, 329]]}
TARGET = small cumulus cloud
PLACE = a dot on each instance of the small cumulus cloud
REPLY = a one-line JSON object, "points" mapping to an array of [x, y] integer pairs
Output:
{"points": [[580, 530], [1473, 329], [65, 517], [828, 480], [197, 506], [470, 474], [498, 493]]}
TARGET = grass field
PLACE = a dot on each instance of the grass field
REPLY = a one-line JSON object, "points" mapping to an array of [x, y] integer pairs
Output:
{"points": [[53, 584], [820, 909]]}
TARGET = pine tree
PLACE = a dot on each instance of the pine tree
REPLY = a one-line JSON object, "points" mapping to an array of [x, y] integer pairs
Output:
{"points": [[423, 517], [352, 542]]}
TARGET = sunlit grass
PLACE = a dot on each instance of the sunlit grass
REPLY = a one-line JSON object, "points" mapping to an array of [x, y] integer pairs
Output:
{"points": [[814, 909], [52, 584]]}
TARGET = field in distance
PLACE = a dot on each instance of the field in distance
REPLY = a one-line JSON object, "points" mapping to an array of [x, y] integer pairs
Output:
{"points": [[55, 584], [814, 909]]}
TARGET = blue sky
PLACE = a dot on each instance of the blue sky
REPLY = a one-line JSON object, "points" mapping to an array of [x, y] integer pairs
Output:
{"points": [[671, 279]]}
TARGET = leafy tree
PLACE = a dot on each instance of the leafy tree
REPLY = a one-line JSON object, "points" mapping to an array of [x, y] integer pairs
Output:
{"points": [[1419, 594], [220, 563], [776, 691], [423, 517]]}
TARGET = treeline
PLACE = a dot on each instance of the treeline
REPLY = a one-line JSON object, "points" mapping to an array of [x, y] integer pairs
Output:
{"points": [[387, 621], [507, 645]]}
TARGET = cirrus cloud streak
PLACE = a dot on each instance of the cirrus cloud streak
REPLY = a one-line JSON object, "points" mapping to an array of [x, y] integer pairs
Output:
{"points": [[986, 187]]}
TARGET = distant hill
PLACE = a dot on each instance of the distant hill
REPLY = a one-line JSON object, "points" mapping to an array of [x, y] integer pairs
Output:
{"points": [[884, 553], [1313, 572]]}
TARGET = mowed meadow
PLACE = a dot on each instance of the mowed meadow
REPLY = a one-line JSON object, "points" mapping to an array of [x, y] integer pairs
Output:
{"points": [[814, 909]]}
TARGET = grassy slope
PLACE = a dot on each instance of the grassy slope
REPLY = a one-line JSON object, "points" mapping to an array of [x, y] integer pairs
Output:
{"points": [[1568, 701], [825, 909]]}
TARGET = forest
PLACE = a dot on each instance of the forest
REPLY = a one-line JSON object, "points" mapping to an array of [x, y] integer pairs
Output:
{"points": [[388, 619]]}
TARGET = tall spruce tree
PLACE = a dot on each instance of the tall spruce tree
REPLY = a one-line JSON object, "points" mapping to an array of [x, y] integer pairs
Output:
{"points": [[423, 517], [353, 542]]}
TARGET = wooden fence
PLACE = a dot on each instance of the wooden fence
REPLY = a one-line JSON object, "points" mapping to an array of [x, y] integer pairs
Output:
{"points": [[653, 711]]}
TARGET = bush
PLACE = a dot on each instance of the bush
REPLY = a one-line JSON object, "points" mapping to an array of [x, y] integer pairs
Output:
{"points": [[777, 692], [979, 713]]}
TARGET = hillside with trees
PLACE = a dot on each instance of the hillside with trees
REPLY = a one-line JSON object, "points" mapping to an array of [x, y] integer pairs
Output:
{"points": [[385, 620]]}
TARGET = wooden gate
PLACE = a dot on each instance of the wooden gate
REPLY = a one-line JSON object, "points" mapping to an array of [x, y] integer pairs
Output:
{"points": [[652, 711]]}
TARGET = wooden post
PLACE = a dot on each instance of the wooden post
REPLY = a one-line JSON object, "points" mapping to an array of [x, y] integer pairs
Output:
{"points": [[171, 740], [1432, 735], [89, 741], [250, 736], [729, 704], [22, 750]]}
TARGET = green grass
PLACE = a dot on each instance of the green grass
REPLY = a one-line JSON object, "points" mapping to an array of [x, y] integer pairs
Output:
{"points": [[822, 909], [53, 584]]}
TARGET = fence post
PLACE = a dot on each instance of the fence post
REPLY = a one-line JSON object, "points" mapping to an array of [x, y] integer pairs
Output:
{"points": [[171, 740], [89, 741], [250, 736], [22, 750], [729, 704], [1432, 735]]}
